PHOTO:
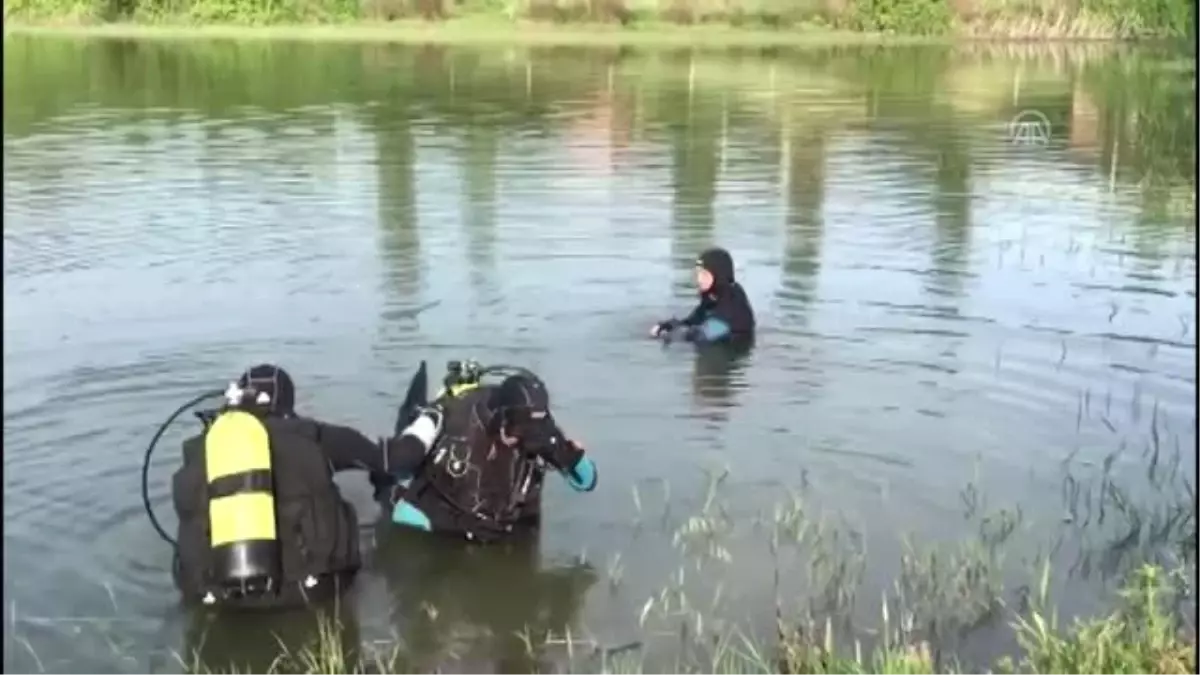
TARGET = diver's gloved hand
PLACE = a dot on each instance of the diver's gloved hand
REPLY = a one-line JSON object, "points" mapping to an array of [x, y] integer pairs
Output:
{"points": [[664, 327], [563, 454]]}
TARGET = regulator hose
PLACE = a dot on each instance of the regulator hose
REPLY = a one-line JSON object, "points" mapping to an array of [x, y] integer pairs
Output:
{"points": [[150, 451], [501, 369]]}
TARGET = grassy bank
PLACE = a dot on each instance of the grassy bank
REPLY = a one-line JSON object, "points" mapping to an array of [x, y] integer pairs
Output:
{"points": [[481, 30], [740, 22]]}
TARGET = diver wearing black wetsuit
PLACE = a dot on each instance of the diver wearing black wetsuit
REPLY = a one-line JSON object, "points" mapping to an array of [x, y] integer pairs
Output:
{"points": [[483, 477], [315, 535], [724, 314]]}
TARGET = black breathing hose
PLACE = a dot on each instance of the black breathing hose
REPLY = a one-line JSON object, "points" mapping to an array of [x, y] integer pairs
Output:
{"points": [[508, 370], [150, 451]]}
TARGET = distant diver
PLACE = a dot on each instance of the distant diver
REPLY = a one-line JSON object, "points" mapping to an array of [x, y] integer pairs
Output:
{"points": [[723, 315]]}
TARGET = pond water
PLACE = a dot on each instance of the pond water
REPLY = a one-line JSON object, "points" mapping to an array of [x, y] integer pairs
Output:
{"points": [[974, 271]]}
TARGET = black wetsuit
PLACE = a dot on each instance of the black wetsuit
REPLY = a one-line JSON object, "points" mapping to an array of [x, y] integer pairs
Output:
{"points": [[476, 486], [724, 313]]}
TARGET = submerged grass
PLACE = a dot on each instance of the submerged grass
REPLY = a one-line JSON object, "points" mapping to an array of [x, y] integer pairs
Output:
{"points": [[942, 593], [1142, 635]]}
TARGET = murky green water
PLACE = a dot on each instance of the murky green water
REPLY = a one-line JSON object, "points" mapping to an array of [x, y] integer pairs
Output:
{"points": [[951, 305]]}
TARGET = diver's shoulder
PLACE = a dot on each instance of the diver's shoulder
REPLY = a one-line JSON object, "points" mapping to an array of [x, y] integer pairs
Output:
{"points": [[296, 426]]}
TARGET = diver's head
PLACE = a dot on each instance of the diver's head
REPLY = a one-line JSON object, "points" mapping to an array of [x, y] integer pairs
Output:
{"points": [[521, 406], [265, 389], [714, 269]]}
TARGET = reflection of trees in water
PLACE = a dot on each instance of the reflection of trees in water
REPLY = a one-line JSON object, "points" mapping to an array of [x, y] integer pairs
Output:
{"points": [[903, 85], [804, 222], [718, 374], [478, 166], [952, 216], [400, 244], [1147, 111], [456, 601], [695, 138], [1147, 131]]}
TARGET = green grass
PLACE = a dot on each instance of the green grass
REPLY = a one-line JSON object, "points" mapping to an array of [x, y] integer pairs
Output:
{"points": [[1142, 635], [468, 31], [735, 22]]}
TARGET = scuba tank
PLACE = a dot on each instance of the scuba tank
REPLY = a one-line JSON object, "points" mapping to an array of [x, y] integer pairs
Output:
{"points": [[244, 555], [241, 503]]}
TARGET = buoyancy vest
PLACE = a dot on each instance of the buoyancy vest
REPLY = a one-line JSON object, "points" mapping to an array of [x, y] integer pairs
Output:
{"points": [[470, 484]]}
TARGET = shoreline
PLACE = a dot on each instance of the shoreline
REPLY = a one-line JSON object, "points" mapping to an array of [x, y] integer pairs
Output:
{"points": [[498, 31]]}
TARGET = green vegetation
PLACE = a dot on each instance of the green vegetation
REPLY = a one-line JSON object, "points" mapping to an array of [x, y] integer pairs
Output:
{"points": [[942, 593], [766, 20], [1144, 634]]}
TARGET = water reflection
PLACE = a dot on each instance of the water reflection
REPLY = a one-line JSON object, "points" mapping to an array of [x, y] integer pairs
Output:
{"points": [[804, 222], [952, 220], [694, 120], [486, 609], [718, 375], [399, 220], [478, 167]]}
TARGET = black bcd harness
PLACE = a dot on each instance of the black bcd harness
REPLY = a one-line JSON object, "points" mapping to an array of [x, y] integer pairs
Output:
{"points": [[456, 468]]}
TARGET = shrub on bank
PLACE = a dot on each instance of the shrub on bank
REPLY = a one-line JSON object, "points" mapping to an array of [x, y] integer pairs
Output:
{"points": [[980, 18]]}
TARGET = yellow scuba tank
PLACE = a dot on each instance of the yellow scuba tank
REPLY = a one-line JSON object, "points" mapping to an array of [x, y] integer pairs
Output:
{"points": [[241, 502]]}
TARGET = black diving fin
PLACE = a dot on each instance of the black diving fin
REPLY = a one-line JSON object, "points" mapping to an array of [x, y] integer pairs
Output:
{"points": [[415, 398]]}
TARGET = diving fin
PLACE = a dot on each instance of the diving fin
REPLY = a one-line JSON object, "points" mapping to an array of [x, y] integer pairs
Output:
{"points": [[415, 398]]}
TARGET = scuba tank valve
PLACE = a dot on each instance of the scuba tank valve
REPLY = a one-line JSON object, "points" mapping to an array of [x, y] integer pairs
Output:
{"points": [[461, 376]]}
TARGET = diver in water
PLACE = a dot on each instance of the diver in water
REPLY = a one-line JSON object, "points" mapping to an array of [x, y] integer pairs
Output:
{"points": [[261, 521], [724, 313], [483, 476]]}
